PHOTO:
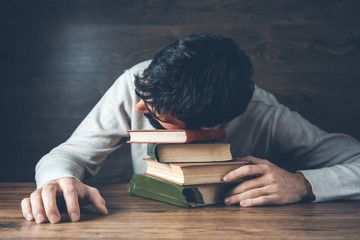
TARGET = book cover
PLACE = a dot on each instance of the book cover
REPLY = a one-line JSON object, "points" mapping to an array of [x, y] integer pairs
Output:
{"points": [[190, 152], [174, 136], [183, 196], [192, 173]]}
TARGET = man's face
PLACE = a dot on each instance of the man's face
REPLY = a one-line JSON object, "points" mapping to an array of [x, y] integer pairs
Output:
{"points": [[165, 121]]}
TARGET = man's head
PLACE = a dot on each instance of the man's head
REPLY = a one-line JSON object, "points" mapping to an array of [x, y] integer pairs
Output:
{"points": [[199, 81]]}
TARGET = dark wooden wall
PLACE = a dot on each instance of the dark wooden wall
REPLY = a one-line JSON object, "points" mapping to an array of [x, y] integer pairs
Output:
{"points": [[58, 57]]}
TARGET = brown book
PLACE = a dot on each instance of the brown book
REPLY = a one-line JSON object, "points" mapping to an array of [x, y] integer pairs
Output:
{"points": [[174, 136], [189, 152], [191, 173]]}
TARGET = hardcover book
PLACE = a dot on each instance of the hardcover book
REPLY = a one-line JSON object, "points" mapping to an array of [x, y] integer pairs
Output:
{"points": [[183, 196], [191, 173], [174, 136], [190, 152]]}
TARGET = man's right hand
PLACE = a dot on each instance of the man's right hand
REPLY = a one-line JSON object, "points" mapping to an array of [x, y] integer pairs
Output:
{"points": [[41, 205]]}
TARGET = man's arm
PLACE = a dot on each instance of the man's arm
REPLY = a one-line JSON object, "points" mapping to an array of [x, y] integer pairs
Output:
{"points": [[98, 135], [330, 163], [59, 172]]}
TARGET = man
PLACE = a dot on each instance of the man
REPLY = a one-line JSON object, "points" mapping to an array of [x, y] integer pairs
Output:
{"points": [[201, 82]]}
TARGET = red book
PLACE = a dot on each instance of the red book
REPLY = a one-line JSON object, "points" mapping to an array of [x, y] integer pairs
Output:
{"points": [[174, 136]]}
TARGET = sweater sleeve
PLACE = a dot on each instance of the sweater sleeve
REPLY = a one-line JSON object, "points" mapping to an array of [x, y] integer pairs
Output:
{"points": [[100, 133], [330, 162]]}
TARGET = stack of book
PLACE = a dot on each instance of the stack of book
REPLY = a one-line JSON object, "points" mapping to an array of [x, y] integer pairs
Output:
{"points": [[185, 167]]}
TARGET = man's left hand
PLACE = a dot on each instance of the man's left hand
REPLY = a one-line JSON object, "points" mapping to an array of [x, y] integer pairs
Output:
{"points": [[271, 185]]}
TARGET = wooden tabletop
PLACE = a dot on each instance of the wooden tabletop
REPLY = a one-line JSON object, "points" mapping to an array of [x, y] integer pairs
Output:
{"points": [[133, 217]]}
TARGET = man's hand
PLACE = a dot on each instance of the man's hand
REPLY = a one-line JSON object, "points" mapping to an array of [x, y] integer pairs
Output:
{"points": [[41, 205], [271, 185]]}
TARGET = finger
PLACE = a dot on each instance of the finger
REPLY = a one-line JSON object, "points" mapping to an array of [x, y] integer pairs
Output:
{"points": [[253, 193], [26, 209], [72, 201], [37, 206], [96, 199], [254, 160], [245, 171], [259, 201], [48, 196], [248, 185]]}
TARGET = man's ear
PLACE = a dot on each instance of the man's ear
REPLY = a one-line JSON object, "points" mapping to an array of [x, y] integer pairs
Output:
{"points": [[141, 107]]}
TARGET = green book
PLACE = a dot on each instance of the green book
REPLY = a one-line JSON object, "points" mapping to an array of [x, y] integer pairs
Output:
{"points": [[183, 196], [190, 152]]}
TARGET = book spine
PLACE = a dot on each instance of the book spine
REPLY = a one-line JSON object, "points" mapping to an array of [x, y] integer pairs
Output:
{"points": [[152, 151], [197, 136]]}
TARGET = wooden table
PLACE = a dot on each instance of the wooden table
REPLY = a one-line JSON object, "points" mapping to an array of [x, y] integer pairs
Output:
{"points": [[133, 217]]}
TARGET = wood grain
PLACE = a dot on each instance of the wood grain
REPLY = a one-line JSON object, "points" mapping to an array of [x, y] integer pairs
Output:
{"points": [[134, 217]]}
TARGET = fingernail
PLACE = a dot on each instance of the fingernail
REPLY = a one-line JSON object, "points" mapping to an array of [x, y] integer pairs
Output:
{"points": [[28, 216], [226, 178], [74, 217], [40, 218], [227, 201], [54, 218]]}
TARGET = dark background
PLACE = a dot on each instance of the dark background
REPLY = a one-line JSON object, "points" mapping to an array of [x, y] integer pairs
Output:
{"points": [[58, 57]]}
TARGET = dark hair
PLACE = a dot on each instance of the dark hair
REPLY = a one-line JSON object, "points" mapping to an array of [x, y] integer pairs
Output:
{"points": [[202, 79]]}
